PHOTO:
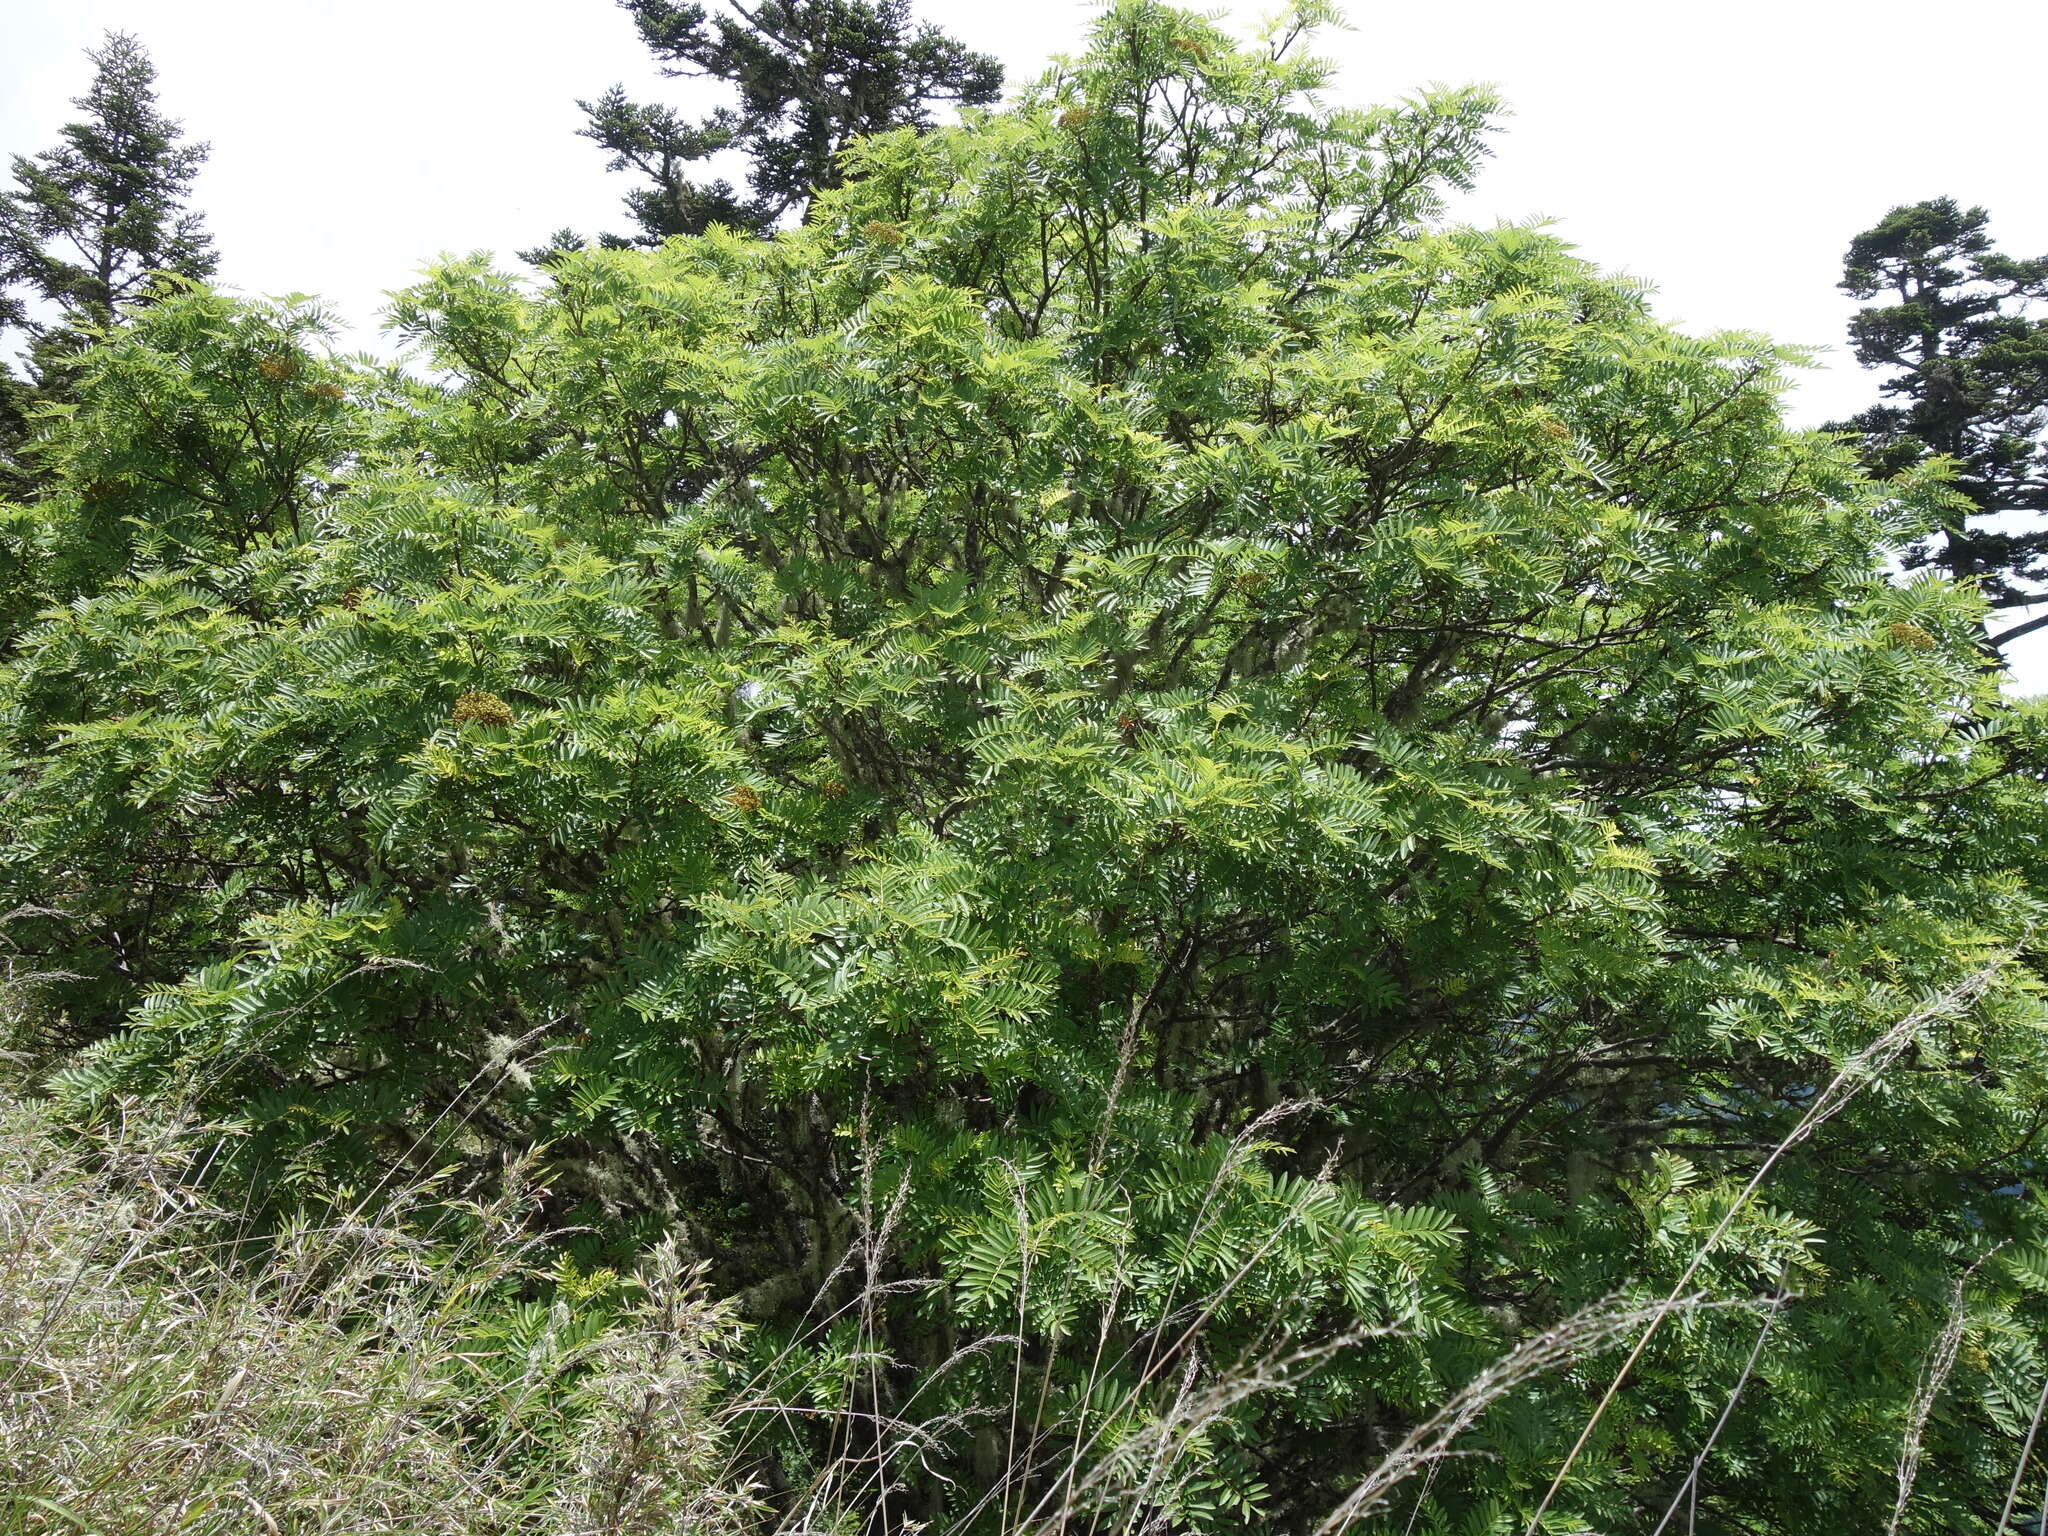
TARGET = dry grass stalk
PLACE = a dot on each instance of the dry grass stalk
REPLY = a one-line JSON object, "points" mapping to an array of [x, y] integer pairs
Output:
{"points": [[155, 1377], [1934, 1374], [1583, 1333], [1855, 1075], [1690, 1487]]}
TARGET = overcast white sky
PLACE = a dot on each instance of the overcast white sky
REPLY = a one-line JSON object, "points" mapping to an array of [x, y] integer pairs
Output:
{"points": [[1725, 152]]}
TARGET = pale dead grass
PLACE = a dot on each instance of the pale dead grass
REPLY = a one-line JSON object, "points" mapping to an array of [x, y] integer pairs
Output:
{"points": [[156, 1377]]}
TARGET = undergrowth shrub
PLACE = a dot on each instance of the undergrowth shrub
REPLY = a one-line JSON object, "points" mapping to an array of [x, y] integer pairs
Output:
{"points": [[166, 1366]]}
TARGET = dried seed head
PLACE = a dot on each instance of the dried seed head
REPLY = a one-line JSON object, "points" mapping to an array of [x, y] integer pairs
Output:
{"points": [[882, 233], [479, 708], [1911, 636], [327, 392], [743, 799], [1075, 118], [831, 789], [278, 366]]}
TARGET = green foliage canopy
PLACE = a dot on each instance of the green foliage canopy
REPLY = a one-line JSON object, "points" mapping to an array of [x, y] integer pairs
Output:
{"points": [[1120, 735]]}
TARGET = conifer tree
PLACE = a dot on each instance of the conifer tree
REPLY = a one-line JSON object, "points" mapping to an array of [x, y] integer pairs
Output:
{"points": [[1968, 379], [90, 222], [85, 232], [810, 76]]}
